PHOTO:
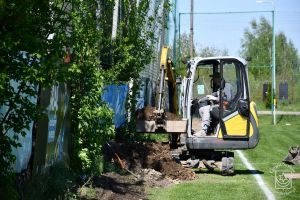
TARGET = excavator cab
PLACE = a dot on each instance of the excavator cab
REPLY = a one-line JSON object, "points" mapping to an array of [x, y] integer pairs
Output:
{"points": [[233, 122]]}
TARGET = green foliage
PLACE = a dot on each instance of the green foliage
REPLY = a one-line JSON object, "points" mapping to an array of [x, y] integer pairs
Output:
{"points": [[92, 122], [32, 59], [185, 53], [183, 50], [58, 182], [185, 45], [112, 167], [121, 61], [286, 57], [132, 48], [202, 52], [268, 99], [26, 60], [257, 44], [94, 129], [7, 191], [212, 51]]}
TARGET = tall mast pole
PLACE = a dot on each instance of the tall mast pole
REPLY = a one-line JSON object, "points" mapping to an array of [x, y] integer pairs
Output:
{"points": [[192, 29]]}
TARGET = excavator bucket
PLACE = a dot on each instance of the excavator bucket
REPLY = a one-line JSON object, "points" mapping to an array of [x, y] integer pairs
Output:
{"points": [[293, 157], [176, 126], [149, 120]]}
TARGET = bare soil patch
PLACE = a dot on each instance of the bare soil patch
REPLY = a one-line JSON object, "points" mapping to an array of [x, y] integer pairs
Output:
{"points": [[151, 162]]}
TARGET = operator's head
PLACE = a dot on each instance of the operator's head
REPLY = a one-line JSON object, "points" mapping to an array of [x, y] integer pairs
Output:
{"points": [[216, 78]]}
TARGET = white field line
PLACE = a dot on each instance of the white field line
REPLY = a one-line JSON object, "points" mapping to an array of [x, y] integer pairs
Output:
{"points": [[259, 180]]}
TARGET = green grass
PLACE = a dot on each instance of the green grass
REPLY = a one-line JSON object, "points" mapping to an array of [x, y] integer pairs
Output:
{"points": [[213, 186], [281, 106], [273, 147], [256, 89]]}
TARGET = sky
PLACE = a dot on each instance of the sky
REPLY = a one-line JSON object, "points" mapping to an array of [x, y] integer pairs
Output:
{"points": [[225, 31]]}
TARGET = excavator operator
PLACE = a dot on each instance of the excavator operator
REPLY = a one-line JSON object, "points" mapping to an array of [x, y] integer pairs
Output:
{"points": [[210, 101]]}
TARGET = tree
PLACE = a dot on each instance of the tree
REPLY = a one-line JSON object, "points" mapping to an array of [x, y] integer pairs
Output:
{"points": [[185, 46], [257, 45], [202, 52], [212, 51], [286, 56], [28, 59]]}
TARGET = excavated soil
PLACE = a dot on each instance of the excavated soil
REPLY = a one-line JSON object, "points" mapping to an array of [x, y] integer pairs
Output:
{"points": [[155, 156], [147, 164]]}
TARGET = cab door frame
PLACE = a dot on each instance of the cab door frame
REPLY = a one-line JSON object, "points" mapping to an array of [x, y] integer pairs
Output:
{"points": [[244, 80]]}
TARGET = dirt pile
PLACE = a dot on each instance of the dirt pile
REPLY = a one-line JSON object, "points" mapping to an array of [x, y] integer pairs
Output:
{"points": [[156, 156], [150, 162]]}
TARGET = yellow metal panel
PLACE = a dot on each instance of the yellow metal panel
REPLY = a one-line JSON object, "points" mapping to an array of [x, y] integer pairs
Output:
{"points": [[164, 58], [236, 126], [167, 65], [253, 111]]}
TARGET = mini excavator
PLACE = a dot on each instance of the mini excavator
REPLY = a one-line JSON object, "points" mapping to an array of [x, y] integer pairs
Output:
{"points": [[233, 125]]}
